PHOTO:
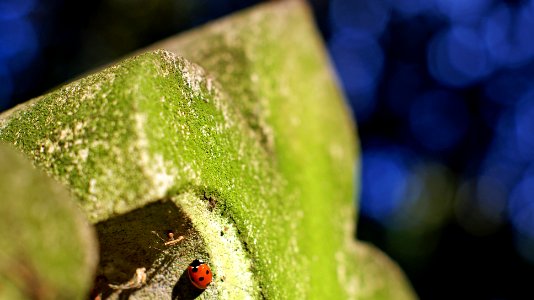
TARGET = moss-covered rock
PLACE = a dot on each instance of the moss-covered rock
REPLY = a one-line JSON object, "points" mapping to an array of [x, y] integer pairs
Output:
{"points": [[47, 248], [250, 156]]}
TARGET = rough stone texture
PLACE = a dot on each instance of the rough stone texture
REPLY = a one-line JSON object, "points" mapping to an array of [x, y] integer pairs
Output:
{"points": [[250, 155], [47, 248]]}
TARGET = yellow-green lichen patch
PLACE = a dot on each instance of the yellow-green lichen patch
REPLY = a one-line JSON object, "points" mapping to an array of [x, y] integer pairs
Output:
{"points": [[82, 134], [230, 263], [289, 100], [211, 139]]}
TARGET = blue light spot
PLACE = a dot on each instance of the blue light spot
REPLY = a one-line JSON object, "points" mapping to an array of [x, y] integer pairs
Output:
{"points": [[18, 43], [496, 28], [505, 146], [385, 179], [508, 35], [463, 11], [501, 170], [14, 9], [358, 59], [439, 120], [514, 138], [524, 126], [507, 88], [521, 206], [457, 57], [368, 15], [523, 33]]}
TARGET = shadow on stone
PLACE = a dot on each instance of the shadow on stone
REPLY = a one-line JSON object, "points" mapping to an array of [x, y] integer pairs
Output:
{"points": [[128, 242], [184, 290]]}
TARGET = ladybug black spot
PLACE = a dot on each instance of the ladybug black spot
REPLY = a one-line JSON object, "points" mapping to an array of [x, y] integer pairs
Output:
{"points": [[207, 272], [201, 279], [194, 270]]}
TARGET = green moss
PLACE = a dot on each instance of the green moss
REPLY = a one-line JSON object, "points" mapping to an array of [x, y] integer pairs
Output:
{"points": [[255, 147], [289, 100]]}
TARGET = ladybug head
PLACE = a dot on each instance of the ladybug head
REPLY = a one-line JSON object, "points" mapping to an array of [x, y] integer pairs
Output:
{"points": [[196, 263]]}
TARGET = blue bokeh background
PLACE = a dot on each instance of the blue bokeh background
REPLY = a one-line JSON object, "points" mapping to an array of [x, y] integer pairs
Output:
{"points": [[443, 93]]}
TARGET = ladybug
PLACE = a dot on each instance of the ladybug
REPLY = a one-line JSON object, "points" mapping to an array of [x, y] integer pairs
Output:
{"points": [[199, 274]]}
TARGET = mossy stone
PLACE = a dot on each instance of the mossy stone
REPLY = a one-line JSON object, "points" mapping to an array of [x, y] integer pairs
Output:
{"points": [[241, 127]]}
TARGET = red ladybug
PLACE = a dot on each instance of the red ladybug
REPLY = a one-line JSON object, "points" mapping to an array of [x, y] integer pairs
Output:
{"points": [[199, 274]]}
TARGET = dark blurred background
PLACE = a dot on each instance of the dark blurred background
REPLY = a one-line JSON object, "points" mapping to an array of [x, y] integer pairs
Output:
{"points": [[443, 91]]}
